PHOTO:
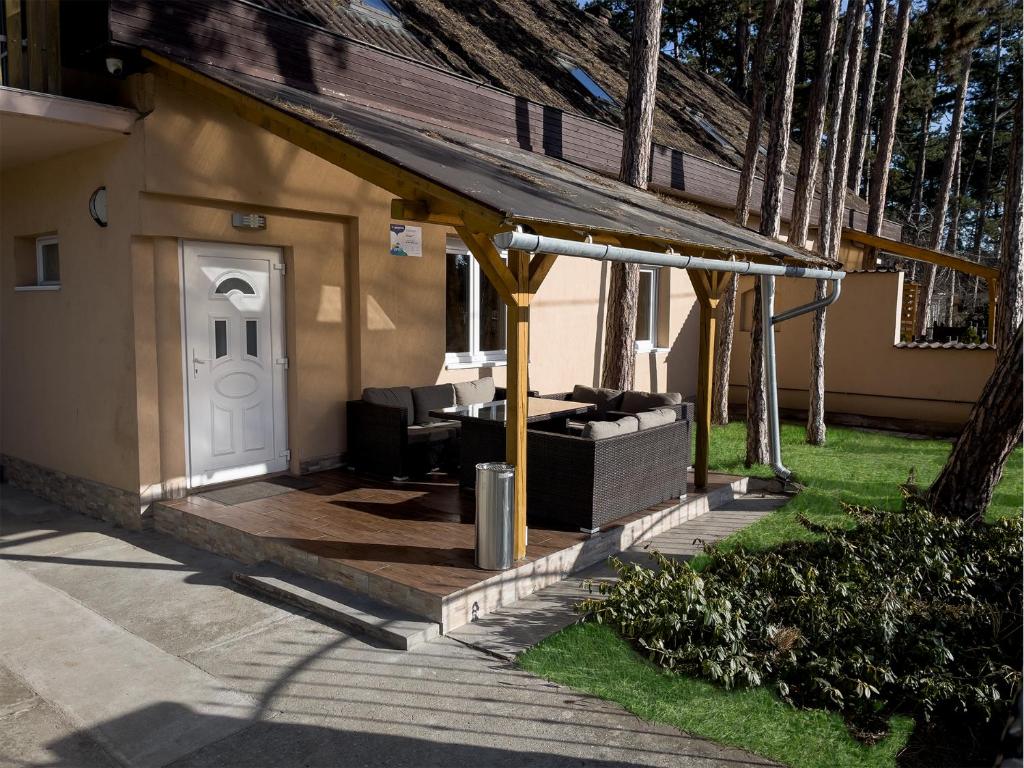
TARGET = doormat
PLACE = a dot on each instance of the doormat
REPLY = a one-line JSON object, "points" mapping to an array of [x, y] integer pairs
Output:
{"points": [[261, 489]]}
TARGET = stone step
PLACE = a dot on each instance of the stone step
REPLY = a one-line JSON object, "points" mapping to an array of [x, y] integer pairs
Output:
{"points": [[357, 613]]}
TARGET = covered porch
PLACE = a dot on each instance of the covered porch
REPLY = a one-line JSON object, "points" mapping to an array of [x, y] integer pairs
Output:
{"points": [[408, 545], [483, 190]]}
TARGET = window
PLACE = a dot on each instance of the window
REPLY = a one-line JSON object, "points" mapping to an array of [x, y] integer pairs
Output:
{"points": [[591, 85], [647, 310], [709, 129], [220, 339], [229, 284], [252, 330], [47, 261], [381, 6], [474, 313]]}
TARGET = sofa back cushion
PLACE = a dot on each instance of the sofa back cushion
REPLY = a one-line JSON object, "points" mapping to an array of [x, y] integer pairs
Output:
{"points": [[634, 402], [427, 399], [604, 399], [396, 397], [599, 430], [473, 392], [655, 418]]}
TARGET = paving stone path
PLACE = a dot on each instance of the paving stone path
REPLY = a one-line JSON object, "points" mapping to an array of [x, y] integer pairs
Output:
{"points": [[131, 649], [509, 631]]}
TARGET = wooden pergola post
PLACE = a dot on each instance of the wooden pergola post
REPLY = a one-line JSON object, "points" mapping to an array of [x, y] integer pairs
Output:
{"points": [[516, 284], [708, 287], [517, 386]]}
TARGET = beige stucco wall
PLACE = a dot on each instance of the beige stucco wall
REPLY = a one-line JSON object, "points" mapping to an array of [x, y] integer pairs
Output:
{"points": [[68, 399], [109, 403], [865, 373]]}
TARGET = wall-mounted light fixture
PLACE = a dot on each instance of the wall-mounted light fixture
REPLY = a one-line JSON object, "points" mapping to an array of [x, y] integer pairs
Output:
{"points": [[98, 206]]}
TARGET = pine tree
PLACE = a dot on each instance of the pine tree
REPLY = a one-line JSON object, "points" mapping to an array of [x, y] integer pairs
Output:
{"points": [[770, 222], [867, 97], [624, 286], [887, 130], [833, 203], [814, 126]]}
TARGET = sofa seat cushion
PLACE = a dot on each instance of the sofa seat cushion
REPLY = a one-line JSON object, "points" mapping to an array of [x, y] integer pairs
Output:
{"points": [[604, 399], [474, 392], [395, 397], [432, 433], [655, 418], [426, 399], [599, 430], [634, 402]]}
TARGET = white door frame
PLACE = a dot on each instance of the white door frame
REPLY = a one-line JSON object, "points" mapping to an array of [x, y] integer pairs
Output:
{"points": [[278, 351]]}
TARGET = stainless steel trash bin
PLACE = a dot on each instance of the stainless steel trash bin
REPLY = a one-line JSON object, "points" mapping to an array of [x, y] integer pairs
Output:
{"points": [[495, 490]]}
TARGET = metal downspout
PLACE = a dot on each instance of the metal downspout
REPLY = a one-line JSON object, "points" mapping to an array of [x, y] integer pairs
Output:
{"points": [[768, 320]]}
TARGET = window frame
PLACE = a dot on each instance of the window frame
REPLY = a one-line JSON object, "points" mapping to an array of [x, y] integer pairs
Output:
{"points": [[475, 357], [650, 344], [41, 243]]}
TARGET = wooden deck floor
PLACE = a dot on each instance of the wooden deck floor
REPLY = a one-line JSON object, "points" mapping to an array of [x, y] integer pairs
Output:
{"points": [[410, 543]]}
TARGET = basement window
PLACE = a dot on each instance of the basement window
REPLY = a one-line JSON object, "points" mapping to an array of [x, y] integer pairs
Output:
{"points": [[47, 261]]}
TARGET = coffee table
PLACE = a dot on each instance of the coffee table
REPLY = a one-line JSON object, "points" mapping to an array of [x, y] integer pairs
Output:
{"points": [[482, 435]]}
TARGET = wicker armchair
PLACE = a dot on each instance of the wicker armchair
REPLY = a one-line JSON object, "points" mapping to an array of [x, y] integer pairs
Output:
{"points": [[380, 441]]}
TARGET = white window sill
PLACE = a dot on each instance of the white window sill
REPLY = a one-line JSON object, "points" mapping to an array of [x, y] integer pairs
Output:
{"points": [[29, 288], [647, 348], [453, 364]]}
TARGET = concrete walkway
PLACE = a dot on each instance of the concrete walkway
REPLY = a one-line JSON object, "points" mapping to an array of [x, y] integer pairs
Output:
{"points": [[130, 649], [509, 631]]}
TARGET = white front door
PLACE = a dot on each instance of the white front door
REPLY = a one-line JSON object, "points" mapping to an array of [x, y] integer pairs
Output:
{"points": [[234, 361]]}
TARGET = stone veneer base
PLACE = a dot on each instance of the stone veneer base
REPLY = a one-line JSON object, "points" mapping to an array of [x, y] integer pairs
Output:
{"points": [[88, 497], [461, 607]]}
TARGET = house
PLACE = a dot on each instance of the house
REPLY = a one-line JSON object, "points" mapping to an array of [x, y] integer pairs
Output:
{"points": [[336, 162]]}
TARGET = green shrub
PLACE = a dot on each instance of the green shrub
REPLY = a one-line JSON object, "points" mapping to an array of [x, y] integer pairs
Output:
{"points": [[907, 612]]}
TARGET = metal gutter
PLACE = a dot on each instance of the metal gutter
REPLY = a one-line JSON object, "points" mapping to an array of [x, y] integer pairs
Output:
{"points": [[521, 241]]}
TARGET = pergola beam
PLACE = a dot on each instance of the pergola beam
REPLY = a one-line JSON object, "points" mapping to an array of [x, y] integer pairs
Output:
{"points": [[918, 253]]}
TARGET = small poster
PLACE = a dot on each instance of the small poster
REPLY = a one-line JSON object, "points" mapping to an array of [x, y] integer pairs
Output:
{"points": [[406, 240]]}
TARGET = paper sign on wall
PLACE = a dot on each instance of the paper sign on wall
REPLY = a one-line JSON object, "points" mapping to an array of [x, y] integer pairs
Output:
{"points": [[406, 240]]}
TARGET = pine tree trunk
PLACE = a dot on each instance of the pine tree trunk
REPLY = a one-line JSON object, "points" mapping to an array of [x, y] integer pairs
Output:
{"points": [[887, 130], [816, 433], [771, 220], [833, 202], [952, 238], [867, 97], [986, 179], [624, 286], [941, 208], [814, 126], [741, 50], [966, 483], [723, 354], [757, 107], [727, 307], [917, 186], [1009, 312]]}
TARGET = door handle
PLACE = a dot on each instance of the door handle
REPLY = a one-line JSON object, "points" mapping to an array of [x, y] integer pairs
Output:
{"points": [[196, 362]]}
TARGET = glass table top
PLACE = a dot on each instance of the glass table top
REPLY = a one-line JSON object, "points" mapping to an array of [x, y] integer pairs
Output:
{"points": [[538, 409]]}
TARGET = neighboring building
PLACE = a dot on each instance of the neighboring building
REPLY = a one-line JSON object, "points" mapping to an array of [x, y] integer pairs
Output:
{"points": [[133, 202]]}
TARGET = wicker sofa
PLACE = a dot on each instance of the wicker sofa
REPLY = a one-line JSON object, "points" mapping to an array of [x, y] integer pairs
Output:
{"points": [[585, 483], [390, 432]]}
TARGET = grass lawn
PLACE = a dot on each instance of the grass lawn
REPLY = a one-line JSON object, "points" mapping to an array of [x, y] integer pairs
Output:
{"points": [[856, 467]]}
